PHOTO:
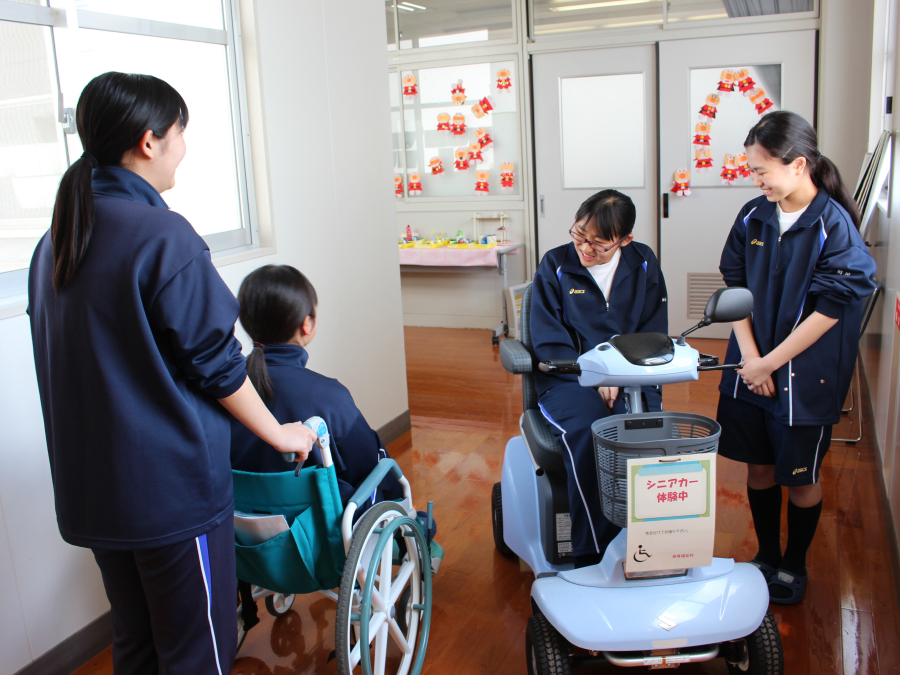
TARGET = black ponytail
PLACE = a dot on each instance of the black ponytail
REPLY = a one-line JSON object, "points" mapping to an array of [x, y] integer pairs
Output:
{"points": [[114, 111], [275, 301], [787, 136]]}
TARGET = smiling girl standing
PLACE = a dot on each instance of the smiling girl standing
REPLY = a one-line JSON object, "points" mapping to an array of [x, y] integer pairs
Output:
{"points": [[798, 249]]}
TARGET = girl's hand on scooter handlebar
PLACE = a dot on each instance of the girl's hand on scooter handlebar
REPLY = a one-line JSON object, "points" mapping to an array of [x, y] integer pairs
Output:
{"points": [[608, 394], [298, 439], [757, 375]]}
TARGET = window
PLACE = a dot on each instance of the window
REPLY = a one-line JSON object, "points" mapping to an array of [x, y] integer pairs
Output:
{"points": [[437, 23], [48, 55]]}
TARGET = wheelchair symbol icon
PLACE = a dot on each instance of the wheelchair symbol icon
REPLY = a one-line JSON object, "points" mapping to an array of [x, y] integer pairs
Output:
{"points": [[641, 552]]}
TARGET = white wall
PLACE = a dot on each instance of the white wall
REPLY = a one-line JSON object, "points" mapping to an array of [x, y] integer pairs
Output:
{"points": [[319, 65]]}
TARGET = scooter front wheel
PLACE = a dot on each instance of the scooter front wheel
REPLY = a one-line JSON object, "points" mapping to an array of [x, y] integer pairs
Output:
{"points": [[497, 519], [542, 649], [760, 653]]}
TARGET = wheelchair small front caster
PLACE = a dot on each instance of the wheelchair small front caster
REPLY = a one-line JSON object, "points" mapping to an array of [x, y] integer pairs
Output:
{"points": [[278, 604]]}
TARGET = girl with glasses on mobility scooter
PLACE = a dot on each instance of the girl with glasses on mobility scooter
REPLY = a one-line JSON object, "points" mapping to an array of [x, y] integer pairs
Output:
{"points": [[798, 249], [585, 292], [137, 363]]}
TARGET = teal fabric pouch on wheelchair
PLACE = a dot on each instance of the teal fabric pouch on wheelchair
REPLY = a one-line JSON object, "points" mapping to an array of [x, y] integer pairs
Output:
{"points": [[310, 555]]}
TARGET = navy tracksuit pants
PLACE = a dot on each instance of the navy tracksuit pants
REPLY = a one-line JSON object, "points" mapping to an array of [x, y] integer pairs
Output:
{"points": [[570, 409], [173, 607]]}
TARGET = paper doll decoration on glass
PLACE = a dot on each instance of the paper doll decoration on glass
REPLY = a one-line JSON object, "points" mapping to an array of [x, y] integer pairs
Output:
{"points": [[475, 154], [726, 83], [758, 98], [458, 93], [415, 183], [507, 177], [703, 162], [681, 186], [410, 89], [701, 133], [443, 124], [743, 169], [481, 183], [460, 160], [483, 107], [729, 170], [745, 83], [458, 126], [436, 166], [484, 138], [503, 81], [708, 111], [398, 185]]}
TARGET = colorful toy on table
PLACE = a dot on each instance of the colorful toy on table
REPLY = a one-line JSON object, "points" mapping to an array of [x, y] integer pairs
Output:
{"points": [[398, 185], [483, 107], [415, 183], [458, 93], [710, 107], [460, 159], [443, 124], [759, 99], [503, 81], [436, 166], [681, 186], [703, 161], [484, 138], [458, 126], [726, 83], [743, 168], [409, 88], [745, 83], [481, 182], [729, 170], [507, 177], [475, 154], [701, 133]]}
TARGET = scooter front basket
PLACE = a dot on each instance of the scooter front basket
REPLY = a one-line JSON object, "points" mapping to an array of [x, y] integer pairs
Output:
{"points": [[619, 438]]}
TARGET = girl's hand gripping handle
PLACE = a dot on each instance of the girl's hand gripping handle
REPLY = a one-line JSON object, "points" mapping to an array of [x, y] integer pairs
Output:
{"points": [[319, 430]]}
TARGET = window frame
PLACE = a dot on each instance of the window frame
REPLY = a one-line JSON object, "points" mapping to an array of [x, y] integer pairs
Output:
{"points": [[66, 17], [423, 52]]}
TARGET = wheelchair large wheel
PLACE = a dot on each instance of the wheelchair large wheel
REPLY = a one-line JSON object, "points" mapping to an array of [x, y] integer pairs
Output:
{"points": [[760, 653], [368, 636], [497, 519], [543, 648]]}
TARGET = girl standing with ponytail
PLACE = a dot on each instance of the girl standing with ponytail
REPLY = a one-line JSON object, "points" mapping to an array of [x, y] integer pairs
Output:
{"points": [[798, 249], [138, 368]]}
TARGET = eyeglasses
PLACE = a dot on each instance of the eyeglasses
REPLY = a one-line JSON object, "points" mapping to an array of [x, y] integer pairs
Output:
{"points": [[599, 248]]}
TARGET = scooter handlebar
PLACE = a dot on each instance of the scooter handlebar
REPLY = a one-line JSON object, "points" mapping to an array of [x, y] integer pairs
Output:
{"points": [[561, 367]]}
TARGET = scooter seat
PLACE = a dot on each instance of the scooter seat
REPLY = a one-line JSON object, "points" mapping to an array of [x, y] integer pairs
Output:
{"points": [[544, 446]]}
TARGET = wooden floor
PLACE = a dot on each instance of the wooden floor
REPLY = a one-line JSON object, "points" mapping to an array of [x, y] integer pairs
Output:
{"points": [[464, 408]]}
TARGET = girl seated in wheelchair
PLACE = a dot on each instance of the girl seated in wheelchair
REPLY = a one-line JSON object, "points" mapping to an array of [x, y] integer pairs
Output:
{"points": [[601, 284]]}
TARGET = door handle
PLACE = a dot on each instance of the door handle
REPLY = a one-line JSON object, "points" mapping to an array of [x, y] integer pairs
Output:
{"points": [[541, 198], [665, 205]]}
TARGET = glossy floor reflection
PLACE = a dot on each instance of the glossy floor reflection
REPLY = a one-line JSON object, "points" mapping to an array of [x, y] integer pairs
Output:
{"points": [[464, 408]]}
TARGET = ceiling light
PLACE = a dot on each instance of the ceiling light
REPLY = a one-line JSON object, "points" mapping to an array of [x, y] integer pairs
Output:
{"points": [[409, 4], [599, 5], [408, 9], [631, 23], [543, 31]]}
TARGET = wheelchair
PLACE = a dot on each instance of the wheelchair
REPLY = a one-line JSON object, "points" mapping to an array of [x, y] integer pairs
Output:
{"points": [[659, 619], [381, 565]]}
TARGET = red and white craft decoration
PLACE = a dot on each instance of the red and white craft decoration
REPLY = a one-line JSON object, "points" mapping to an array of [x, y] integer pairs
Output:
{"points": [[703, 162], [701, 134], [481, 183], [415, 183], [743, 168], [458, 93], [443, 124], [436, 166], [726, 83], [409, 88], [503, 81], [709, 109], [475, 154], [729, 170], [745, 83], [681, 186], [507, 177], [460, 160], [759, 99], [484, 138], [483, 107], [398, 185], [458, 125]]}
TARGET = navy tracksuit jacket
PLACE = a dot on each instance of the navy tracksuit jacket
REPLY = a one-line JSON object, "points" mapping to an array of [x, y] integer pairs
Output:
{"points": [[569, 316], [819, 265]]}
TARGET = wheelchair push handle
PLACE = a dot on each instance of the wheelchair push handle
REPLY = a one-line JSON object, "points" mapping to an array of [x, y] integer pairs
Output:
{"points": [[561, 367], [318, 426], [709, 362]]}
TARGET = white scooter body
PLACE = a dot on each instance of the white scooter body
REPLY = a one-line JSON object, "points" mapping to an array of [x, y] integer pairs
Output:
{"points": [[596, 608]]}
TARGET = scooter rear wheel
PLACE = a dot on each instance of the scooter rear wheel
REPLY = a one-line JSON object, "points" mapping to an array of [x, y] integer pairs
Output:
{"points": [[497, 518], [542, 649], [764, 654]]}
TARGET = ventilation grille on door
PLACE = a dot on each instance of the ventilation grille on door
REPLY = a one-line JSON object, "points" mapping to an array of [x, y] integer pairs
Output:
{"points": [[700, 287]]}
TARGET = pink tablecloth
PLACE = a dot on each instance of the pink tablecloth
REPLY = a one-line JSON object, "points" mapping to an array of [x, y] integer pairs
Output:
{"points": [[453, 257]]}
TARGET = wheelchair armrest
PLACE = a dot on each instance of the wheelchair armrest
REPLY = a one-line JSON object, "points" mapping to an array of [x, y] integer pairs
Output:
{"points": [[369, 485], [515, 357]]}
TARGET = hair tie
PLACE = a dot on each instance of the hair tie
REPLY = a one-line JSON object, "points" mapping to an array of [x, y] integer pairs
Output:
{"points": [[260, 345], [89, 157]]}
